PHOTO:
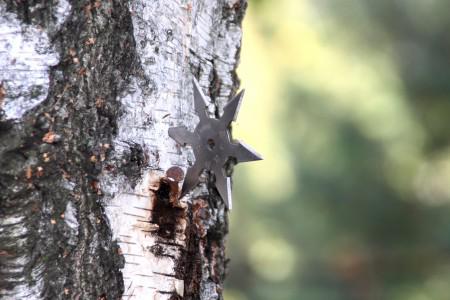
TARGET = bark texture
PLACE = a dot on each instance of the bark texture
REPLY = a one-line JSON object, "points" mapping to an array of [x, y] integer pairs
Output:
{"points": [[88, 175]]}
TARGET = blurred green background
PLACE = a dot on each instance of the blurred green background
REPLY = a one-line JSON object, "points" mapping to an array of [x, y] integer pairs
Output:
{"points": [[349, 103]]}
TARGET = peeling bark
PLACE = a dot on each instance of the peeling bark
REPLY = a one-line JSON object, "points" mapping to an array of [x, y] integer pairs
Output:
{"points": [[89, 178]]}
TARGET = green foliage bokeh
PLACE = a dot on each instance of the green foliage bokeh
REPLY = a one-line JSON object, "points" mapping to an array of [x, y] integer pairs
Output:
{"points": [[349, 103]]}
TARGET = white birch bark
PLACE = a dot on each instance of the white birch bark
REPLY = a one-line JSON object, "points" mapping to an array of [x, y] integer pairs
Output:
{"points": [[88, 206]]}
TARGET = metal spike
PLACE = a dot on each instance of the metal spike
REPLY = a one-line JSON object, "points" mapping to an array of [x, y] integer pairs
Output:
{"points": [[243, 153], [182, 136], [199, 101], [223, 185], [191, 179], [231, 110]]}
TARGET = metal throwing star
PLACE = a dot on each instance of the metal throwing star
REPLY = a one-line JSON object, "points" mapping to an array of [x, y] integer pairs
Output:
{"points": [[212, 144]]}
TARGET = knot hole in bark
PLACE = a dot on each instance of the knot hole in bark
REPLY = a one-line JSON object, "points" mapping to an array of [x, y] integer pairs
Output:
{"points": [[166, 213]]}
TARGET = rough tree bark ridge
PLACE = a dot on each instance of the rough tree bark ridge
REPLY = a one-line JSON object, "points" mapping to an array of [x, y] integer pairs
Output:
{"points": [[88, 175]]}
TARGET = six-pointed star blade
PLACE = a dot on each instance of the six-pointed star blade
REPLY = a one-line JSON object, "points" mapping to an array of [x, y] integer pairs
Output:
{"points": [[212, 144]]}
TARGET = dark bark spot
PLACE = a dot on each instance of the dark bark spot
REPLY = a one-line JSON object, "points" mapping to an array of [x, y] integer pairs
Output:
{"points": [[229, 165], [165, 211], [235, 13], [203, 261], [133, 162], [169, 34], [214, 87], [157, 250], [41, 13], [189, 267]]}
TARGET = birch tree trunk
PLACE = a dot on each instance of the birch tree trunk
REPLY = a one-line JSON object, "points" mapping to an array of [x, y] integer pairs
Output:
{"points": [[88, 175]]}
